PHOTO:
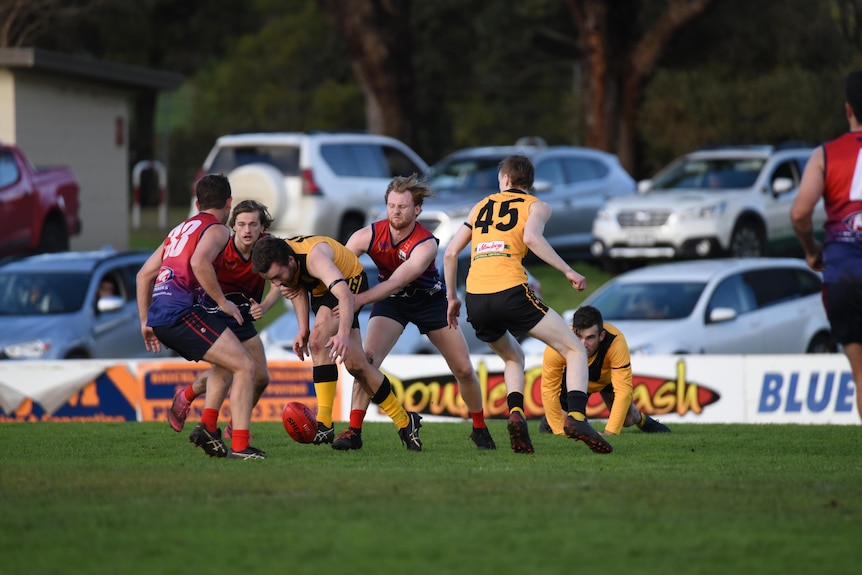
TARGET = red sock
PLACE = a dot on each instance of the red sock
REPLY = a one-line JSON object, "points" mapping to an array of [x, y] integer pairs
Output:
{"points": [[357, 416], [478, 418], [210, 419], [239, 439], [190, 393]]}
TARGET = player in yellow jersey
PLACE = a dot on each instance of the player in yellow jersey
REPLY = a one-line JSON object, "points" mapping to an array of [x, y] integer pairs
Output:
{"points": [[331, 274], [610, 374], [501, 229]]}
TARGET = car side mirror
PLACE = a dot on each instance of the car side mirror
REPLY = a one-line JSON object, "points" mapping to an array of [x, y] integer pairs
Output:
{"points": [[782, 185], [110, 303], [540, 186], [644, 186], [722, 314]]}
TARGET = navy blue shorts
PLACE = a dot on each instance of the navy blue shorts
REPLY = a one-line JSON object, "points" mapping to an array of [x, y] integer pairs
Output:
{"points": [[843, 303], [192, 335], [516, 310], [426, 311]]}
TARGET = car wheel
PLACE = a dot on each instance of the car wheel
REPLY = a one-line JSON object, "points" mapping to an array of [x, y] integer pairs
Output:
{"points": [[747, 241], [260, 182], [54, 237], [822, 343], [350, 224]]}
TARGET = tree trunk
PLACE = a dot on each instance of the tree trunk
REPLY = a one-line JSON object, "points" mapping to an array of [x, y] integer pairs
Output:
{"points": [[379, 42], [617, 64]]}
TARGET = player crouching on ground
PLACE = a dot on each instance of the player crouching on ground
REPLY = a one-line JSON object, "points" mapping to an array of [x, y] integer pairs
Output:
{"points": [[610, 373]]}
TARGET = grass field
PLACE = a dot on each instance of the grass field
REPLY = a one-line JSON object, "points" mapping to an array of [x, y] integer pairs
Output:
{"points": [[134, 498]]}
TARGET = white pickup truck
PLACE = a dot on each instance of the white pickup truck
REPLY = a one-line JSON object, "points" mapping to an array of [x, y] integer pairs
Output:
{"points": [[732, 201]]}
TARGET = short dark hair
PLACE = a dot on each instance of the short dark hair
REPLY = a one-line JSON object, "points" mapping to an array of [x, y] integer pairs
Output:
{"points": [[247, 207], [270, 250], [520, 170], [587, 316], [853, 92], [212, 191]]}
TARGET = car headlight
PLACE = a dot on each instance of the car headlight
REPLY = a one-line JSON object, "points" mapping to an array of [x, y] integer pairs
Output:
{"points": [[28, 350], [603, 214], [707, 212]]}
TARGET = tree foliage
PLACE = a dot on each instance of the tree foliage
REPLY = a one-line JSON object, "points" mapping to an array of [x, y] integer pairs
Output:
{"points": [[678, 74]]}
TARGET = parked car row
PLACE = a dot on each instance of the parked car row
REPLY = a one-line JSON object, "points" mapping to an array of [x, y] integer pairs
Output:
{"points": [[707, 204]]}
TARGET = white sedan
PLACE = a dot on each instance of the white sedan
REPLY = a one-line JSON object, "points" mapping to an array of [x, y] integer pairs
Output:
{"points": [[724, 306]]}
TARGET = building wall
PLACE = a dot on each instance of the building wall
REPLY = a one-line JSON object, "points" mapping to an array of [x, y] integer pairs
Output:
{"points": [[7, 110], [60, 120]]}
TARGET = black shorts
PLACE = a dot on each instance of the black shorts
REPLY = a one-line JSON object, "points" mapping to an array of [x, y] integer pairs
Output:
{"points": [[427, 311], [516, 310], [192, 335], [843, 303], [357, 284], [244, 332]]}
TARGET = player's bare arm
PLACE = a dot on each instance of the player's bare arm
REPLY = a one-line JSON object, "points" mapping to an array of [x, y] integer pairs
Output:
{"points": [[211, 244], [144, 287], [811, 189], [302, 309], [534, 237], [320, 264], [458, 242], [419, 260]]}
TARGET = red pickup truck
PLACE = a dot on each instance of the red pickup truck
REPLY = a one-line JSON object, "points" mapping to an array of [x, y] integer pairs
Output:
{"points": [[39, 208]]}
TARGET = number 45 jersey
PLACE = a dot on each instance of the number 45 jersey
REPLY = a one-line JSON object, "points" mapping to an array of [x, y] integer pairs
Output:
{"points": [[498, 247]]}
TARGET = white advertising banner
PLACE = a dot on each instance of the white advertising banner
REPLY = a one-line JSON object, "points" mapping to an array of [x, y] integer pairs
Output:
{"points": [[805, 389]]}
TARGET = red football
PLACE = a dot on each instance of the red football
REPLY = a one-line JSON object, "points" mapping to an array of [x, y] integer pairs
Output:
{"points": [[299, 422]]}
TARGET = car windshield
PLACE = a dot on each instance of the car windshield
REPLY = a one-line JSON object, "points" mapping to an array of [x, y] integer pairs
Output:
{"points": [[710, 174], [284, 158], [648, 301], [478, 174], [41, 293]]}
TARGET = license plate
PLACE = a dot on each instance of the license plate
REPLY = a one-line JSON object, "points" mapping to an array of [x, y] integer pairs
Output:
{"points": [[641, 240]]}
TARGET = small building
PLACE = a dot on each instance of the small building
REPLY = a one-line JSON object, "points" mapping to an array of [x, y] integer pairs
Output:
{"points": [[67, 110]]}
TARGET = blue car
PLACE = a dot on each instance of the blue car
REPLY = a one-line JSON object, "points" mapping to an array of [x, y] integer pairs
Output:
{"points": [[71, 305]]}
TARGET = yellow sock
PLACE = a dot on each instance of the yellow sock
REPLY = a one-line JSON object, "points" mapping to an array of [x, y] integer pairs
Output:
{"points": [[578, 416], [395, 411], [518, 409], [325, 391]]}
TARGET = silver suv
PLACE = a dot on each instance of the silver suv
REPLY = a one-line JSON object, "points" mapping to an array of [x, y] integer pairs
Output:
{"points": [[731, 201], [313, 183]]}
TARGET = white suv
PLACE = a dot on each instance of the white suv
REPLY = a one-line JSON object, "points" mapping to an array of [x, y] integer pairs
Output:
{"points": [[726, 201], [312, 183]]}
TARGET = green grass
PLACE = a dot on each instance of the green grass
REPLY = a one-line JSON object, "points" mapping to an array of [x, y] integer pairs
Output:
{"points": [[137, 498]]}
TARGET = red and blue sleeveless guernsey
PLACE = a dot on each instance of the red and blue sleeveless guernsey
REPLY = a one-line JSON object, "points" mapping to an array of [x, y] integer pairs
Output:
{"points": [[238, 282], [389, 256], [842, 198], [177, 289]]}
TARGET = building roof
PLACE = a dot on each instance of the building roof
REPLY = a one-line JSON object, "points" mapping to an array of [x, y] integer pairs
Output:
{"points": [[109, 72]]}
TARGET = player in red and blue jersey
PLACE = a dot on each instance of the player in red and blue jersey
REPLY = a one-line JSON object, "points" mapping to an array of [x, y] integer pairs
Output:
{"points": [[410, 290], [169, 285], [249, 221], [834, 173]]}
